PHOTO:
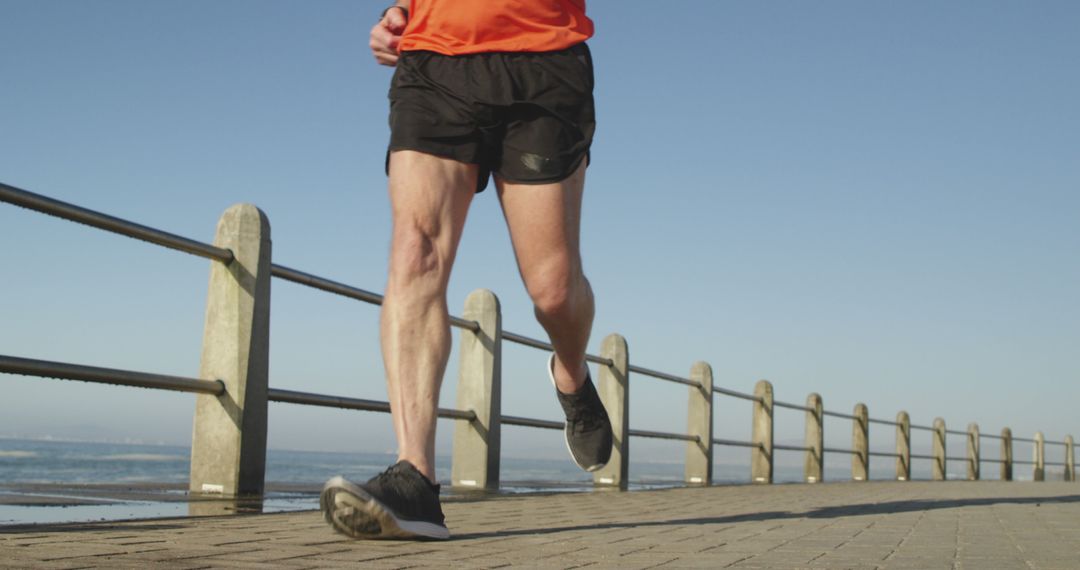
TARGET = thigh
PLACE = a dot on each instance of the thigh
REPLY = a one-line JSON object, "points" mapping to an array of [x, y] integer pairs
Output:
{"points": [[545, 225], [429, 200]]}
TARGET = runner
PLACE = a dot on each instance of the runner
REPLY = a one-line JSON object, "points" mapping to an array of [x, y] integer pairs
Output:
{"points": [[483, 89]]}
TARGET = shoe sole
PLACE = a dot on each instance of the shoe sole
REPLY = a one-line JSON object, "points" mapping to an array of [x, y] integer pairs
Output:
{"points": [[566, 433], [352, 511]]}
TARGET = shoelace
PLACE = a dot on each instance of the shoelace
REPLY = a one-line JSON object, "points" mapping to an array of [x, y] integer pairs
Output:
{"points": [[396, 490], [582, 417], [385, 481], [414, 496], [382, 478]]}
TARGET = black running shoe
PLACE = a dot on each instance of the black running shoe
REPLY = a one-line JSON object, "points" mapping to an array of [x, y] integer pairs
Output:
{"points": [[588, 429], [397, 503]]}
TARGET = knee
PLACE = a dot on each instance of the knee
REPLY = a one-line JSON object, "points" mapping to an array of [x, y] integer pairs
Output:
{"points": [[558, 293], [415, 257]]}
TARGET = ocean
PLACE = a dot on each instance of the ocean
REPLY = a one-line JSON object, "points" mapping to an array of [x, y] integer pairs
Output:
{"points": [[45, 481], [68, 462]]}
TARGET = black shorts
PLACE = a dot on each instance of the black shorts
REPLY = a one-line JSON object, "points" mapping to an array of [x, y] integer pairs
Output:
{"points": [[527, 117]]}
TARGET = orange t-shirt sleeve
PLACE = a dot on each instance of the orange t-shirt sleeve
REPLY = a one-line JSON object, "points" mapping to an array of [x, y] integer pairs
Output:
{"points": [[455, 27]]}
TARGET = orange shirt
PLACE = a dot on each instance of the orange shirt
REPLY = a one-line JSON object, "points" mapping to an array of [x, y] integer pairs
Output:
{"points": [[455, 27]]}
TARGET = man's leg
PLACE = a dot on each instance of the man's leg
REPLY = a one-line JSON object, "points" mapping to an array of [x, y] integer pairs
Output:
{"points": [[544, 222], [429, 198]]}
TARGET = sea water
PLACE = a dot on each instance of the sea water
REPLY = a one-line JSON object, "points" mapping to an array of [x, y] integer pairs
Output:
{"points": [[296, 474]]}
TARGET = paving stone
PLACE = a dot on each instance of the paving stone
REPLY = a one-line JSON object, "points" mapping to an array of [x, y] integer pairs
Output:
{"points": [[881, 525]]}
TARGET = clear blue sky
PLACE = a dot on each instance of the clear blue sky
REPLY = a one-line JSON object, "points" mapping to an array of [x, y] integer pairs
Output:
{"points": [[876, 201]]}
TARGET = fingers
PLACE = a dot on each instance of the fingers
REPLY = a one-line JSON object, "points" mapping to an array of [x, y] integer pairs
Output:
{"points": [[389, 60], [394, 20], [386, 35], [384, 44]]}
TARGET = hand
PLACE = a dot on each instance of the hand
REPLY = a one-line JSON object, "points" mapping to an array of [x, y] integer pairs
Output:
{"points": [[386, 35]]}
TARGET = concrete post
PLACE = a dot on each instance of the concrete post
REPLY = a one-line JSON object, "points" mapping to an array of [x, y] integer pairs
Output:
{"points": [[228, 442], [614, 390], [860, 444], [903, 447], [1006, 455], [814, 469], [973, 452], [761, 456], [1040, 457], [1070, 459], [475, 460], [699, 454], [939, 450]]}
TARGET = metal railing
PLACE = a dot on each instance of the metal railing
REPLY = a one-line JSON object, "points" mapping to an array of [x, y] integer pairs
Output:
{"points": [[49, 369], [479, 416]]}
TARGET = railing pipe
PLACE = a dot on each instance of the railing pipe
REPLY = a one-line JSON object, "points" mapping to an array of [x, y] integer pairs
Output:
{"points": [[662, 435], [323, 284], [50, 369], [796, 407], [327, 401], [337, 288], [532, 422], [532, 342], [735, 443], [661, 376], [526, 341], [81, 215], [599, 360], [734, 394]]}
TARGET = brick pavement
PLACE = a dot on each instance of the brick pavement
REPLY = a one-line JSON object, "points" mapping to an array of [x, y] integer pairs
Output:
{"points": [[915, 525]]}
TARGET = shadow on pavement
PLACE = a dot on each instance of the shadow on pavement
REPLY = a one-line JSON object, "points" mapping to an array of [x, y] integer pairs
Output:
{"points": [[890, 507]]}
